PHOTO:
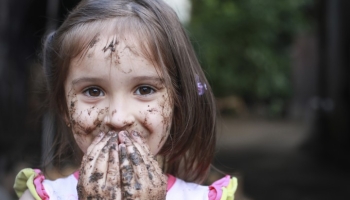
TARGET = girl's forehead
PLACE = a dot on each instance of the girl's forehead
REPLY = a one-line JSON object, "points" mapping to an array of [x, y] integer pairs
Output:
{"points": [[115, 44], [112, 36], [115, 49], [110, 33]]}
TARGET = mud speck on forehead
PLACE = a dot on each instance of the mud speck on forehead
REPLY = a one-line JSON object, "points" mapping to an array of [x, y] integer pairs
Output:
{"points": [[94, 41], [113, 55], [111, 45]]}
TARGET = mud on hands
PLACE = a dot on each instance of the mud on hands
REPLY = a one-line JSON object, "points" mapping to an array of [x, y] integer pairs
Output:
{"points": [[120, 166]]}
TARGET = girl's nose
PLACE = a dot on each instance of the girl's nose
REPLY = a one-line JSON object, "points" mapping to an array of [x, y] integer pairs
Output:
{"points": [[119, 117]]}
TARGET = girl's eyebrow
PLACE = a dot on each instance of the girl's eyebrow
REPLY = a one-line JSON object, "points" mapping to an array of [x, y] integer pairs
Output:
{"points": [[149, 78], [137, 78], [85, 79]]}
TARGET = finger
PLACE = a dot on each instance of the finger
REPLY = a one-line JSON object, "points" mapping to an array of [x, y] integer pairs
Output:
{"points": [[96, 164], [89, 158], [137, 155], [94, 150], [96, 140], [151, 163], [100, 167], [85, 185], [146, 156], [113, 184], [145, 181], [144, 151], [142, 147], [127, 173], [139, 143]]}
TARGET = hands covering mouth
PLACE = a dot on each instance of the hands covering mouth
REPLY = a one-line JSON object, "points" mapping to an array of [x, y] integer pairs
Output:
{"points": [[120, 166]]}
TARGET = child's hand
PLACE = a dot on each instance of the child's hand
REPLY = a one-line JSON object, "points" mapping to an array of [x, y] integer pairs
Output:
{"points": [[100, 171], [124, 171], [141, 176]]}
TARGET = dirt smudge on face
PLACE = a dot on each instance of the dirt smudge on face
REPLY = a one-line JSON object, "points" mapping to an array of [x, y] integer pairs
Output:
{"points": [[166, 111], [97, 122], [94, 40], [145, 121], [79, 125], [92, 44], [113, 53], [90, 110], [152, 110], [111, 46]]}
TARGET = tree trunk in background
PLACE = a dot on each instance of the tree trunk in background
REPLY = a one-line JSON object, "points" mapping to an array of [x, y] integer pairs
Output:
{"points": [[331, 131]]}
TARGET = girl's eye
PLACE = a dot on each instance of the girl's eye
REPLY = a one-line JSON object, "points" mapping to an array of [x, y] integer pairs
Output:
{"points": [[94, 92], [144, 90]]}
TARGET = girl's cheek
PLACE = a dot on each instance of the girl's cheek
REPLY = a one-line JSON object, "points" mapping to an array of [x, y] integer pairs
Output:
{"points": [[158, 119], [84, 119], [89, 120], [166, 112], [83, 142]]}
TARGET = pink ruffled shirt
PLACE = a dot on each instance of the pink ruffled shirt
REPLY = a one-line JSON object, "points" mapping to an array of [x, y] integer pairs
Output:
{"points": [[65, 188]]}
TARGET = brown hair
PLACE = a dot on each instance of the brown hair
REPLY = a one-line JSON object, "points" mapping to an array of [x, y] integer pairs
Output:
{"points": [[189, 148]]}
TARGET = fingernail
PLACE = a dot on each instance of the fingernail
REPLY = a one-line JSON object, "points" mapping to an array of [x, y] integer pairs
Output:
{"points": [[110, 133], [113, 133], [122, 133], [127, 133], [122, 137], [136, 134]]}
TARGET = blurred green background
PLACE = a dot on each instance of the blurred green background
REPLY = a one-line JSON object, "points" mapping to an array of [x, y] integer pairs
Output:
{"points": [[245, 47]]}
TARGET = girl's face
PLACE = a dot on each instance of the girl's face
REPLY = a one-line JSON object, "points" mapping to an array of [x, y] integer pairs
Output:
{"points": [[112, 87]]}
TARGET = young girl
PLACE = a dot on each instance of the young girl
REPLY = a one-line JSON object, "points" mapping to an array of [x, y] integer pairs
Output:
{"points": [[126, 86]]}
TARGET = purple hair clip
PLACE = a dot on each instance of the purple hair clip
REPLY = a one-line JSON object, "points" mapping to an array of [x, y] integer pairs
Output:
{"points": [[201, 87]]}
